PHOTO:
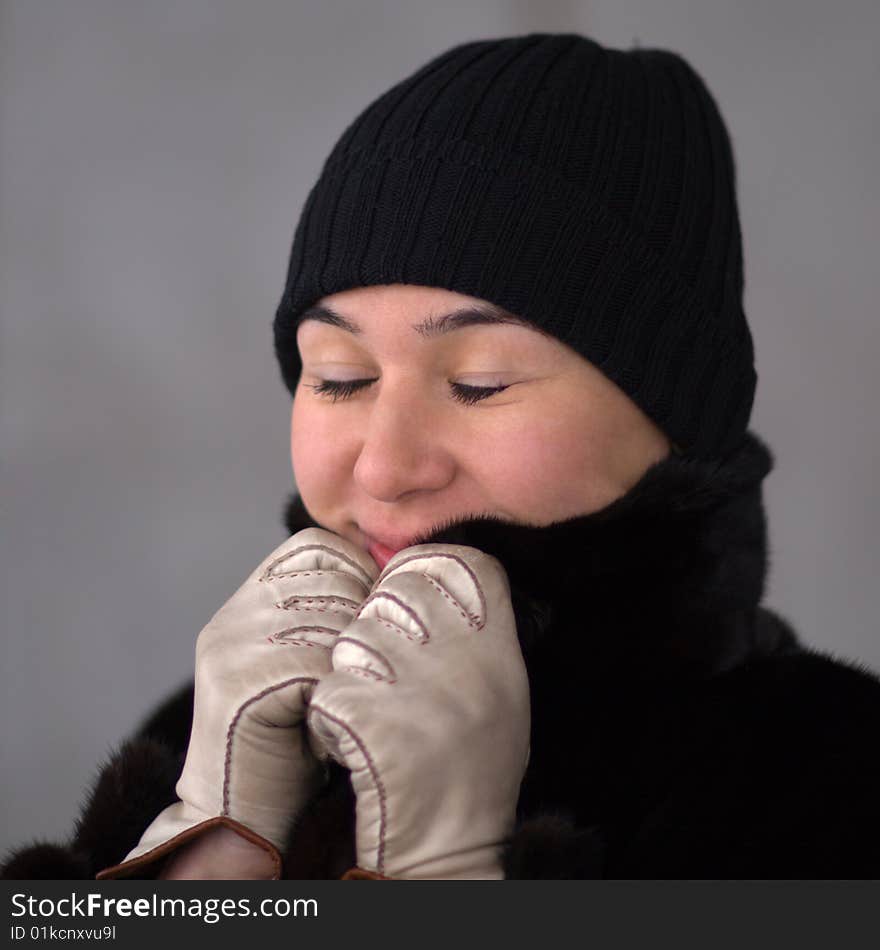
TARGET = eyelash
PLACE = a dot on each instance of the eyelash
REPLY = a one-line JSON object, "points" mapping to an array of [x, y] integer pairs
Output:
{"points": [[342, 389]]}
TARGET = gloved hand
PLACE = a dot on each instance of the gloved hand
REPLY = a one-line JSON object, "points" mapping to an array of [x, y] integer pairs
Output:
{"points": [[428, 707], [248, 766]]}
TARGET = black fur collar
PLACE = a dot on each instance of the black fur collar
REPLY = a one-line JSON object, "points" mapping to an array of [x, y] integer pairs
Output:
{"points": [[665, 579]]}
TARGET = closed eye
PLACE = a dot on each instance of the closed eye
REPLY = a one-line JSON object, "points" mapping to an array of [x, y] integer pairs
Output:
{"points": [[472, 394], [336, 389]]}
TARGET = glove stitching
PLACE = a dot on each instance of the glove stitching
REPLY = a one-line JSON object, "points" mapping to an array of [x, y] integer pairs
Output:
{"points": [[267, 574], [295, 642], [374, 772], [313, 574], [385, 595], [334, 574], [366, 673], [230, 732], [368, 649], [293, 603], [470, 618], [284, 636], [402, 631], [392, 567]]}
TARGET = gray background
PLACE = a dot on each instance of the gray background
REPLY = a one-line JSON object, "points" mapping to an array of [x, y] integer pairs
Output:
{"points": [[153, 160]]}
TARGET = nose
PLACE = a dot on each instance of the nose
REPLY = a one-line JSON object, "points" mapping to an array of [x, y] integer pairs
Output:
{"points": [[402, 450]]}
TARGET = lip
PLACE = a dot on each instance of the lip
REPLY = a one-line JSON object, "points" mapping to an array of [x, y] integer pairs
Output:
{"points": [[381, 550], [381, 553]]}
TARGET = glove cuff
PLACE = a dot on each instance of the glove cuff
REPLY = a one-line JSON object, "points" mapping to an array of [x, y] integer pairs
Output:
{"points": [[147, 864], [359, 874]]}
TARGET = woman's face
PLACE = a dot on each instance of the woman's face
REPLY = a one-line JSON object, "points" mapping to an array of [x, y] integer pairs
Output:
{"points": [[417, 406]]}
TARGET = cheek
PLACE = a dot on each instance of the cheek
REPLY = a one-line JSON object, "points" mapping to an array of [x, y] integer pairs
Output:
{"points": [[541, 469], [320, 458]]}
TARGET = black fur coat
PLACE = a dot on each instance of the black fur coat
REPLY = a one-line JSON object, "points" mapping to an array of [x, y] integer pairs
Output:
{"points": [[678, 728]]}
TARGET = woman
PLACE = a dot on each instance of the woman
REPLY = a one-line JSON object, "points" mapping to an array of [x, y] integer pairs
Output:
{"points": [[516, 628]]}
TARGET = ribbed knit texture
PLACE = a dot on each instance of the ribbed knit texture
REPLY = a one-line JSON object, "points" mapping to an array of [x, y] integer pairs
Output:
{"points": [[588, 190]]}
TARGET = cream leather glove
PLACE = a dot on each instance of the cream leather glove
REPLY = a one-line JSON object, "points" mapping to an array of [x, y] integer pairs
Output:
{"points": [[428, 707], [249, 766]]}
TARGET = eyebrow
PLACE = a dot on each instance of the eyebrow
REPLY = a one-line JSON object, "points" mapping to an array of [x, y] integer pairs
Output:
{"points": [[432, 326]]}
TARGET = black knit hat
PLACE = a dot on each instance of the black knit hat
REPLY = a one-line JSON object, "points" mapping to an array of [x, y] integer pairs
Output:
{"points": [[588, 190]]}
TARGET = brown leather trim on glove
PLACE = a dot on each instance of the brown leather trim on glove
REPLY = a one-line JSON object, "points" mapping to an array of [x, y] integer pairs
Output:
{"points": [[139, 864], [359, 874]]}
